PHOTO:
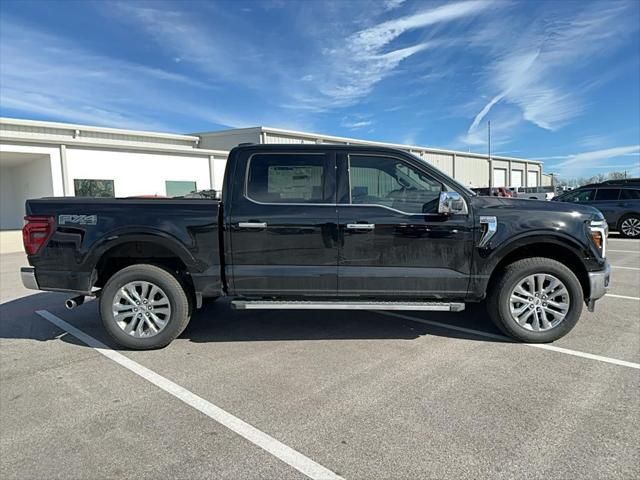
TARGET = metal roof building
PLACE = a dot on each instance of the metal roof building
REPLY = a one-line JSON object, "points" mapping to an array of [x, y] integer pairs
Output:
{"points": [[39, 158], [473, 169]]}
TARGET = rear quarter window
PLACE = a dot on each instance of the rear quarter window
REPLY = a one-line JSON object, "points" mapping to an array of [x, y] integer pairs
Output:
{"points": [[630, 194]]}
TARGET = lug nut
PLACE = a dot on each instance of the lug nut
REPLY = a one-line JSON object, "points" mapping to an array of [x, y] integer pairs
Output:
{"points": [[135, 309], [147, 314]]}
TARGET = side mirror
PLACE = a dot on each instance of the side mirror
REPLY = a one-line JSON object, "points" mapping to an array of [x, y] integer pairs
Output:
{"points": [[452, 203]]}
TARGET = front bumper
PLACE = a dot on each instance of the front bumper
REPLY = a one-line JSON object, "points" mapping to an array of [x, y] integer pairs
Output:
{"points": [[28, 277], [598, 284]]}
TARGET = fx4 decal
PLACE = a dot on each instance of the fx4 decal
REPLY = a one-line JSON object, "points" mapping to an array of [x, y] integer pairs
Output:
{"points": [[77, 219]]}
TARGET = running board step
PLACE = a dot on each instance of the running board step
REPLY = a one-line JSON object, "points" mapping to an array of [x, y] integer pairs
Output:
{"points": [[345, 305]]}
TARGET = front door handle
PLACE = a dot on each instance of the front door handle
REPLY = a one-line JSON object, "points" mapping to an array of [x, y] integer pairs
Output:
{"points": [[252, 225], [360, 226]]}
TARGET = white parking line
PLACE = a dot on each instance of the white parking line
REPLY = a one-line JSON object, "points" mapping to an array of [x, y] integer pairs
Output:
{"points": [[575, 353], [625, 268], [622, 296], [276, 448], [623, 251]]}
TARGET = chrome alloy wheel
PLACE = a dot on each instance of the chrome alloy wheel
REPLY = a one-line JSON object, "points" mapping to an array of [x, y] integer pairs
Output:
{"points": [[539, 302], [141, 309], [631, 227]]}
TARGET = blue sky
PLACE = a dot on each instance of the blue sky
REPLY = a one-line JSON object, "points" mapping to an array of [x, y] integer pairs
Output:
{"points": [[559, 80]]}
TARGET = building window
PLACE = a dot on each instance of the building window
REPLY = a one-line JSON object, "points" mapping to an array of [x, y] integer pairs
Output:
{"points": [[289, 178], [84, 187], [179, 188]]}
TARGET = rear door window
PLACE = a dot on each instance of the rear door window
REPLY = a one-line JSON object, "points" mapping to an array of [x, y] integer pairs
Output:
{"points": [[630, 194], [289, 178], [604, 194]]}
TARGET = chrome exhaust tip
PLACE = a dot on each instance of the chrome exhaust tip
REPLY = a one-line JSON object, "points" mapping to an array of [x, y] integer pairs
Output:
{"points": [[72, 303]]}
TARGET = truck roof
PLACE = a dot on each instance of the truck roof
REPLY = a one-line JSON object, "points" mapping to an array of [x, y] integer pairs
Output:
{"points": [[314, 147]]}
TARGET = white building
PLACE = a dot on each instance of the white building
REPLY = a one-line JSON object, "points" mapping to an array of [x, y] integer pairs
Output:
{"points": [[471, 169], [39, 159]]}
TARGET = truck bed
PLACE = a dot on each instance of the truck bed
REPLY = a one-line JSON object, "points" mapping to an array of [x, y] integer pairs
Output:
{"points": [[85, 229]]}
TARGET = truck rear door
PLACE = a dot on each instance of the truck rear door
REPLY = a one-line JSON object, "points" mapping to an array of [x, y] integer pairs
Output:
{"points": [[283, 224]]}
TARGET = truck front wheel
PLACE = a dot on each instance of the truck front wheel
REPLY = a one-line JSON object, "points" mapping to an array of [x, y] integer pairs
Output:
{"points": [[144, 307], [536, 300]]}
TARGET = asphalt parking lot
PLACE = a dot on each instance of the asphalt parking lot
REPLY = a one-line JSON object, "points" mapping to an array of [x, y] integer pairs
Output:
{"points": [[358, 395]]}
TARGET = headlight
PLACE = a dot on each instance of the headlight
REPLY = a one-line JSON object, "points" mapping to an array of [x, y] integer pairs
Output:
{"points": [[598, 230]]}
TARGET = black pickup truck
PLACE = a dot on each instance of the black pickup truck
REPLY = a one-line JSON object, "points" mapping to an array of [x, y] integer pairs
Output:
{"points": [[320, 227]]}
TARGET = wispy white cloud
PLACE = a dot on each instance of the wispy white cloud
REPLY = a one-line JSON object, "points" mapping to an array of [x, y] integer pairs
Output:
{"points": [[46, 75], [392, 4], [368, 52], [356, 122], [533, 68], [577, 164]]}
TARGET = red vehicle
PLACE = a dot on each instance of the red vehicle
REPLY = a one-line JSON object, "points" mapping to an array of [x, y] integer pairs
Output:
{"points": [[494, 192]]}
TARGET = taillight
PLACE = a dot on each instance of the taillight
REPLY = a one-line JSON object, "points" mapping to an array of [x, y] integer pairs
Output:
{"points": [[35, 233]]}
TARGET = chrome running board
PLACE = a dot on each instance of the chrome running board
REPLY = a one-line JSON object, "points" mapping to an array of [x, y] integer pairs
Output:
{"points": [[345, 305]]}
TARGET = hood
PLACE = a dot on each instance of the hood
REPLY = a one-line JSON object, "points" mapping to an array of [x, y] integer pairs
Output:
{"points": [[576, 210]]}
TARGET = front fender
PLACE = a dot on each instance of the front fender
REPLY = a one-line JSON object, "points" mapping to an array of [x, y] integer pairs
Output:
{"points": [[491, 256]]}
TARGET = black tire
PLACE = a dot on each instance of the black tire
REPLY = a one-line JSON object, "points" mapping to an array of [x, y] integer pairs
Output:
{"points": [[172, 288], [498, 302], [628, 217]]}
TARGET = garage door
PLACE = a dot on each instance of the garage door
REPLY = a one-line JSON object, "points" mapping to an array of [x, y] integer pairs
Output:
{"points": [[516, 178], [532, 178], [499, 177]]}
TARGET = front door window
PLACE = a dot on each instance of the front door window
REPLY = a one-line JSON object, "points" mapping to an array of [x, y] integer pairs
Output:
{"points": [[392, 183]]}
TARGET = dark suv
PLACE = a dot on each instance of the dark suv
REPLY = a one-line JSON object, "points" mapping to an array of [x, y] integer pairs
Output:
{"points": [[618, 200]]}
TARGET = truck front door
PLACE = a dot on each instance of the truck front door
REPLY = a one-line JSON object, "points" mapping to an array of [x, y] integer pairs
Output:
{"points": [[282, 224], [393, 241]]}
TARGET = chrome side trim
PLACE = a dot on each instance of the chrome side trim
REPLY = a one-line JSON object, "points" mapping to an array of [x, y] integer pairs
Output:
{"points": [[28, 277], [492, 227], [252, 225], [346, 305], [330, 204], [360, 226]]}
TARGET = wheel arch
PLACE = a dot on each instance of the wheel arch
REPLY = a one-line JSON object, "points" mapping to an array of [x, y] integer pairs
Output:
{"points": [[152, 249], [626, 215], [555, 248]]}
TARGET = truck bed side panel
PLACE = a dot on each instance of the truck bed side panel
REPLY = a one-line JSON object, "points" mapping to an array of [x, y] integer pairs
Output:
{"points": [[86, 229]]}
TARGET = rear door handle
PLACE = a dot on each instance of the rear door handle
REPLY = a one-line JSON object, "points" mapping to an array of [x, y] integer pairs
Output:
{"points": [[252, 225], [360, 226]]}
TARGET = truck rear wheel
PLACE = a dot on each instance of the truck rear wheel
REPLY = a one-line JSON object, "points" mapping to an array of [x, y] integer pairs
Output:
{"points": [[144, 307], [536, 300]]}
